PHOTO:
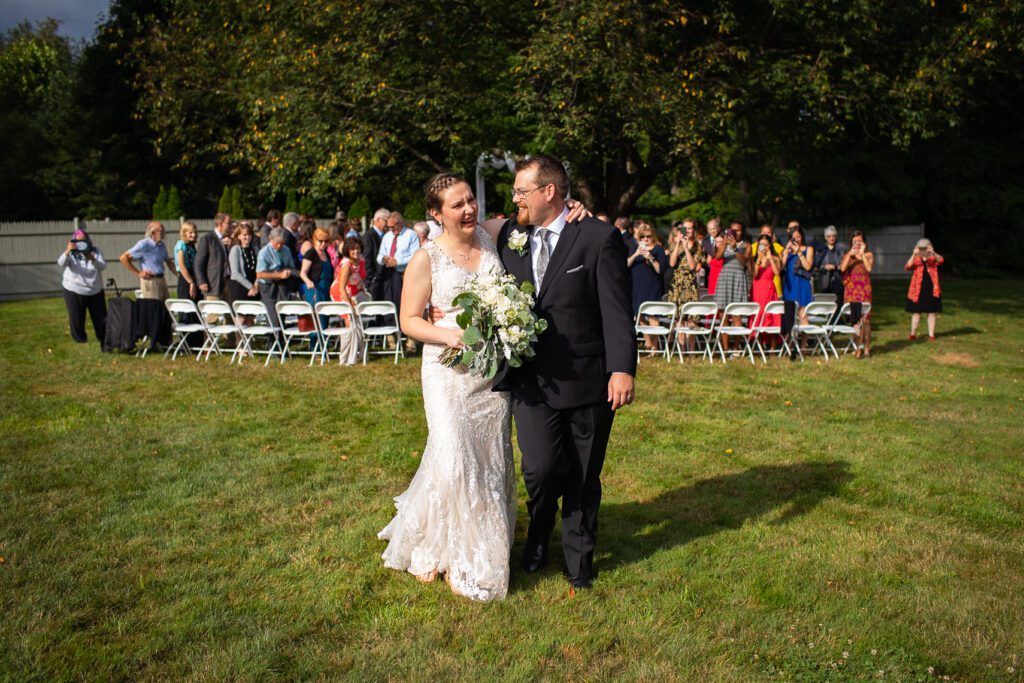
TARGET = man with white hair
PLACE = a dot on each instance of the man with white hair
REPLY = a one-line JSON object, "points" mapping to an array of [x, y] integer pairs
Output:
{"points": [[152, 256], [371, 245], [291, 234], [274, 271]]}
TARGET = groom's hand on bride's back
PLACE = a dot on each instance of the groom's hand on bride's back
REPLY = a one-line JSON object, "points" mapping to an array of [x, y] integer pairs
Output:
{"points": [[435, 314], [621, 390]]}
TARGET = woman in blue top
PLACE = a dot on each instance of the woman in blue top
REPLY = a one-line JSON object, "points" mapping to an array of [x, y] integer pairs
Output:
{"points": [[798, 260], [184, 261]]}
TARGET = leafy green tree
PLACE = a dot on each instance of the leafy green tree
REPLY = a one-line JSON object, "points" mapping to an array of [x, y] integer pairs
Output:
{"points": [[173, 209], [224, 204], [160, 205], [291, 203], [308, 205], [360, 208]]}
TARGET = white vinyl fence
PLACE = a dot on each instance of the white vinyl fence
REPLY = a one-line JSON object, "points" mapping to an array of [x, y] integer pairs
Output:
{"points": [[29, 251]]}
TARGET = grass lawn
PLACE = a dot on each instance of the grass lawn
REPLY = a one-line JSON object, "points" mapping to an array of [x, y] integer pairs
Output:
{"points": [[859, 520]]}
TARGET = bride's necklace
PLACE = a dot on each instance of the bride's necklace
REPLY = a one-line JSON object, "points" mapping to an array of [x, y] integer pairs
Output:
{"points": [[465, 257]]}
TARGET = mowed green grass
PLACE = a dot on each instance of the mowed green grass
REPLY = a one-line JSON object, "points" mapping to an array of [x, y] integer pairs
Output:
{"points": [[858, 520]]}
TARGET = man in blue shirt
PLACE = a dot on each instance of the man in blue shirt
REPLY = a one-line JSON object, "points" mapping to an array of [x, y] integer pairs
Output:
{"points": [[396, 249], [152, 256], [274, 269]]}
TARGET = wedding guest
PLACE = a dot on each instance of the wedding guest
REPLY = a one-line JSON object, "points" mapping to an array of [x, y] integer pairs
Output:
{"points": [[826, 266], [152, 256], [856, 269], [716, 260], [687, 257], [766, 268], [396, 250], [242, 259], [714, 227], [733, 284], [350, 280], [645, 266], [212, 259], [185, 260], [766, 229], [422, 231], [82, 265], [274, 271], [371, 245], [625, 227], [335, 241], [291, 225], [924, 295], [353, 228], [797, 261], [273, 221], [316, 271]]}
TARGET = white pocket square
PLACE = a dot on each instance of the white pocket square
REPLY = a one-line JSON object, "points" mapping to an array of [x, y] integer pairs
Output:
{"points": [[574, 270]]}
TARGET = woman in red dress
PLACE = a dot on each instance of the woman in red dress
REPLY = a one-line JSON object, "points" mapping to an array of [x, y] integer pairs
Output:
{"points": [[924, 295], [856, 269], [767, 266]]}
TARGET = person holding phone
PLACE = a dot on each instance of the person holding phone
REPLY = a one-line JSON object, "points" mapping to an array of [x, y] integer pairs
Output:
{"points": [[856, 269], [924, 295], [798, 260], [81, 264]]}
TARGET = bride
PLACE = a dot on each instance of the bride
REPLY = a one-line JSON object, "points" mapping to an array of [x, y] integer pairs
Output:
{"points": [[457, 518]]}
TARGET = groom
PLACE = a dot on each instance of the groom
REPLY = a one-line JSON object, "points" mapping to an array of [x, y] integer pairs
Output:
{"points": [[565, 398]]}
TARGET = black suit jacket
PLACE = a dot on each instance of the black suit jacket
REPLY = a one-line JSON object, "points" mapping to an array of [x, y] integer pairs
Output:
{"points": [[211, 264], [371, 245], [586, 297]]}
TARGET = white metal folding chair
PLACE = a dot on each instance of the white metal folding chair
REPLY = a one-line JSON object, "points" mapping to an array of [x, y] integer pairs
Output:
{"points": [[380, 331], [261, 327], [666, 311], [335, 310], [744, 309], [818, 319], [840, 326], [180, 310], [291, 332], [761, 328], [817, 332], [223, 325], [704, 313]]}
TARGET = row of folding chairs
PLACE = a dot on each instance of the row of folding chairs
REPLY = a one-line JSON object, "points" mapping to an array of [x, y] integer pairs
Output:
{"points": [[248, 321], [696, 328]]}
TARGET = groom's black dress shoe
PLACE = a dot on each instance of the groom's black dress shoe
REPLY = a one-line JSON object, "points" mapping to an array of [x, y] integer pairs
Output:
{"points": [[535, 556], [582, 583]]}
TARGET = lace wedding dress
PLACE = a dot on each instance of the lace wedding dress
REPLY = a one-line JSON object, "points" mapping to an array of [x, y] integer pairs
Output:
{"points": [[458, 514]]}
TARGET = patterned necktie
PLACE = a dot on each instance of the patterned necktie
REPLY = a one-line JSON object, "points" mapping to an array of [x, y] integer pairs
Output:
{"points": [[542, 257]]}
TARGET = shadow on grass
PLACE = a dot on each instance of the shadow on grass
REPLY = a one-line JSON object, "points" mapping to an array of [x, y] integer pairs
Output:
{"points": [[900, 344], [631, 532]]}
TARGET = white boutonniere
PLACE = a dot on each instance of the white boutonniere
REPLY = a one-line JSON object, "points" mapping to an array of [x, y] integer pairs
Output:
{"points": [[518, 241]]}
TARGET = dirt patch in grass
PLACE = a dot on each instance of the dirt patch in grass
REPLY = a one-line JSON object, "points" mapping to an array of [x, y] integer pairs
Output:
{"points": [[963, 360]]}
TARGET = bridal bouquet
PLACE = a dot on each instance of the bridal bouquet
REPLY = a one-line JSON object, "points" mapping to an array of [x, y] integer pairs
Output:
{"points": [[498, 324]]}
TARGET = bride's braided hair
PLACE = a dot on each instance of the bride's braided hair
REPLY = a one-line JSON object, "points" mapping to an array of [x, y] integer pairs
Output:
{"points": [[436, 186]]}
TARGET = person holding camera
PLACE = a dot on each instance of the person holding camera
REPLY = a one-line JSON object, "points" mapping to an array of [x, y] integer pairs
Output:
{"points": [[646, 265], [856, 268], [767, 267], [826, 266], [798, 260], [82, 263], [924, 295], [687, 258]]}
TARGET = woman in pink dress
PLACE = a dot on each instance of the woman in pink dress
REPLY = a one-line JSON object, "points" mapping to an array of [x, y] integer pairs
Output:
{"points": [[350, 283], [767, 266], [856, 268]]}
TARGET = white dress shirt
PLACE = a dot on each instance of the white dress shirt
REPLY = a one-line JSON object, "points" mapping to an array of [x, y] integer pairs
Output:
{"points": [[555, 227]]}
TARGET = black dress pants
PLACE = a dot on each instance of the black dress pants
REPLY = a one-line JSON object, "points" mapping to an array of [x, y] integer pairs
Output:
{"points": [[563, 453], [77, 305]]}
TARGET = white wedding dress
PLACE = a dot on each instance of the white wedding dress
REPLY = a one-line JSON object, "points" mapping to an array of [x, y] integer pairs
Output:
{"points": [[458, 514]]}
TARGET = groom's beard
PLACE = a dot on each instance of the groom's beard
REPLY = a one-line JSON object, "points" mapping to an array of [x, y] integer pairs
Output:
{"points": [[523, 216]]}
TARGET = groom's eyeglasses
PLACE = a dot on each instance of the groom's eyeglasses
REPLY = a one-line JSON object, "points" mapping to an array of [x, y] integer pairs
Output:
{"points": [[516, 192]]}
